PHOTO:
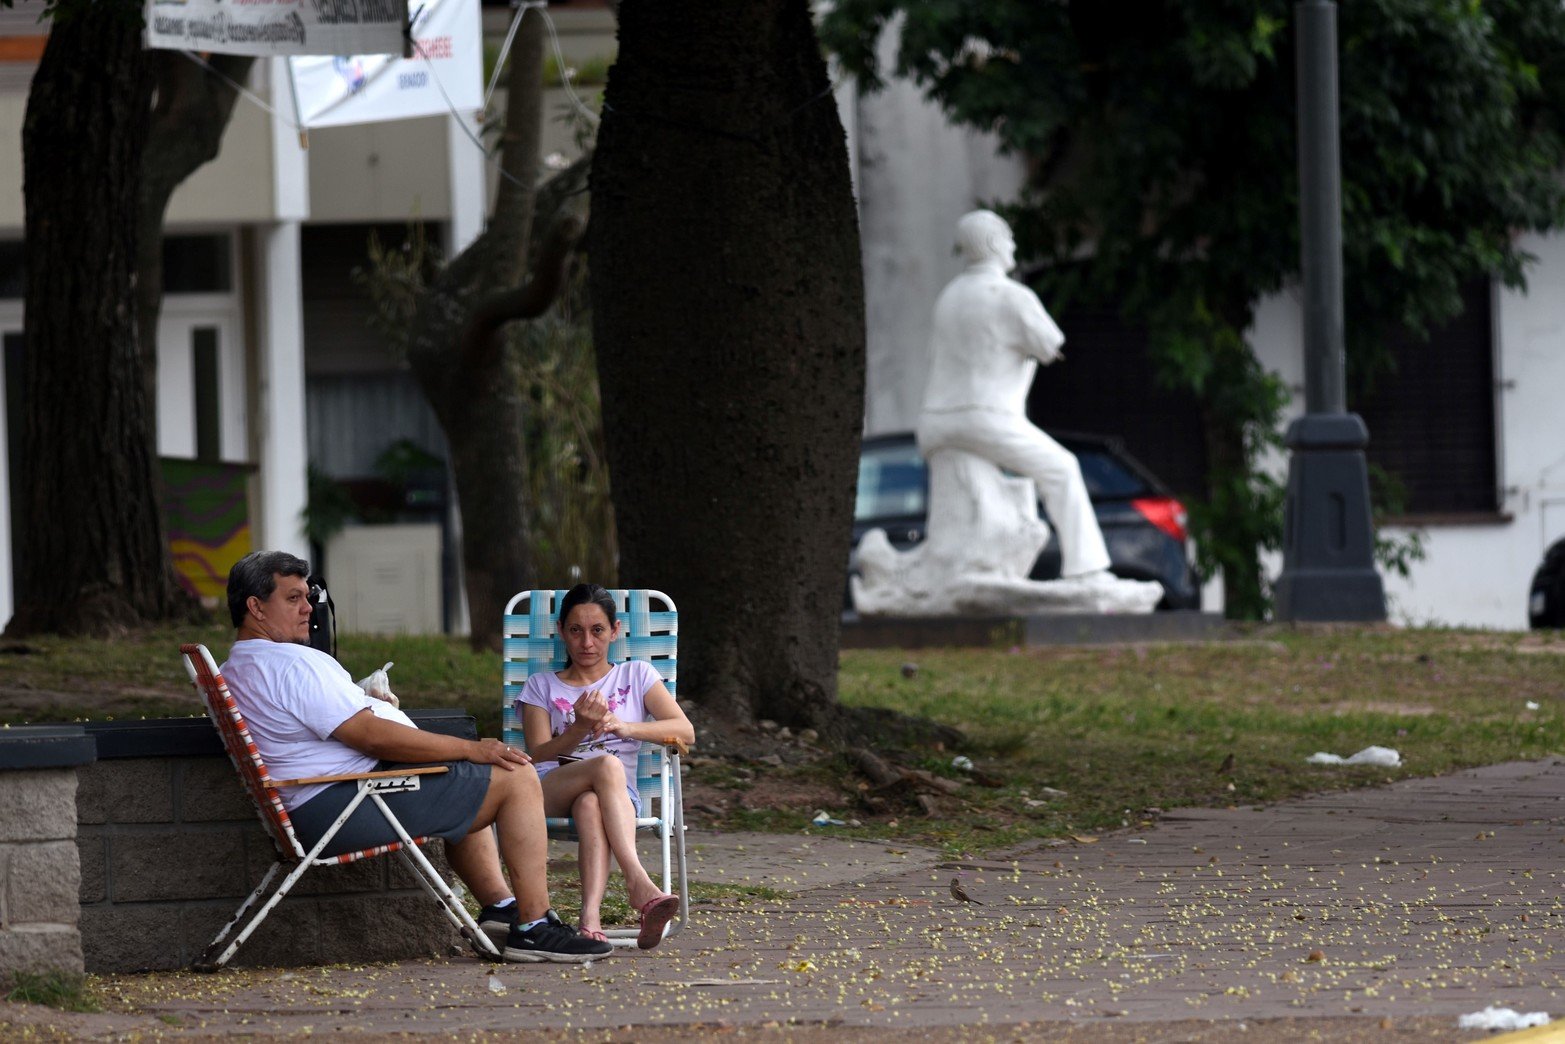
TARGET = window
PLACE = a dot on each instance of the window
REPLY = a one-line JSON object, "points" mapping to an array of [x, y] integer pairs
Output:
{"points": [[13, 276], [1105, 385], [208, 393], [892, 482], [197, 264], [1431, 416]]}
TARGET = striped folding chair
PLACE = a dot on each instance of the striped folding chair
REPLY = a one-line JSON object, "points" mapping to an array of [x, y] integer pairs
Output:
{"points": [[263, 792], [651, 632]]}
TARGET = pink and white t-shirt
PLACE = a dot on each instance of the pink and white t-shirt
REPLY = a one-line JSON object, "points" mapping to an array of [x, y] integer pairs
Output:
{"points": [[625, 688]]}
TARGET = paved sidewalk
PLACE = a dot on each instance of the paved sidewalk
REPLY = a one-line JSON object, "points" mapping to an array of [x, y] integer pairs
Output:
{"points": [[1372, 914]]}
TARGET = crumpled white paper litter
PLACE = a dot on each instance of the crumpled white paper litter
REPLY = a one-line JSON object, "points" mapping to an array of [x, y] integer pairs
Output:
{"points": [[1492, 1018], [1383, 756]]}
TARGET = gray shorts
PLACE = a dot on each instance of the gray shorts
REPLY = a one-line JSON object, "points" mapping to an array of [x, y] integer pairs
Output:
{"points": [[444, 806]]}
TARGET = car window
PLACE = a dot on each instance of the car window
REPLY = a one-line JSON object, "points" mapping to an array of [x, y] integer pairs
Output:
{"points": [[1107, 477], [892, 482]]}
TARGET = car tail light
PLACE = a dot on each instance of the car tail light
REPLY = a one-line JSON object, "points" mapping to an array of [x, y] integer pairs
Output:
{"points": [[1165, 513]]}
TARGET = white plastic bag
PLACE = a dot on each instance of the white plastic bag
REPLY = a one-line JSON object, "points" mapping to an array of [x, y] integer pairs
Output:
{"points": [[377, 686], [1492, 1018], [1383, 756]]}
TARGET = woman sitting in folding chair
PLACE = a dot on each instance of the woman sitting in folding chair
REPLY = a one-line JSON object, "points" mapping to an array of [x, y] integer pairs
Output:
{"points": [[584, 726]]}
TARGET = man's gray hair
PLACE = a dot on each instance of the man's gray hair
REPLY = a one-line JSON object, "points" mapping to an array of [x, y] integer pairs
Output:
{"points": [[256, 574]]}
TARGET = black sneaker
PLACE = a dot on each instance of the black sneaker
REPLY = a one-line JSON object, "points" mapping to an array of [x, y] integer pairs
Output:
{"points": [[496, 921], [553, 941]]}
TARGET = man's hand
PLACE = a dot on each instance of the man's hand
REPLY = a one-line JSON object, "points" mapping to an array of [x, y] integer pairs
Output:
{"points": [[393, 741], [494, 752]]}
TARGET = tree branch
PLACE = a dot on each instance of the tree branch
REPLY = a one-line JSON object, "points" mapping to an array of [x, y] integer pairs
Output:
{"points": [[510, 224], [480, 338]]}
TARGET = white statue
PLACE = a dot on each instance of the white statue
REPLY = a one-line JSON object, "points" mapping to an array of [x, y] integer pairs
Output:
{"points": [[990, 334]]}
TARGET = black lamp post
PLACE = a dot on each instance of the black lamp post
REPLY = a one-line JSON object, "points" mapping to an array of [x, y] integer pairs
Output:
{"points": [[1328, 568]]}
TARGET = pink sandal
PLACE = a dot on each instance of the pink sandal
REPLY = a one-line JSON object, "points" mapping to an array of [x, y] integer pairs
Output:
{"points": [[655, 915], [594, 934]]}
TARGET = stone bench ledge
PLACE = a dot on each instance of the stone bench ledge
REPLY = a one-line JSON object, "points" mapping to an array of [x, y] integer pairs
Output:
{"points": [[45, 746]]}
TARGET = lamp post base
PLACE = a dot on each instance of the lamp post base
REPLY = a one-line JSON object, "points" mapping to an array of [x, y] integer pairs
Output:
{"points": [[1328, 571]]}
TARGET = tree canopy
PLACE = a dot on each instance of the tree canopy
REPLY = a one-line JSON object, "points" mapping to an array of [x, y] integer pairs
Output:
{"points": [[1160, 142]]}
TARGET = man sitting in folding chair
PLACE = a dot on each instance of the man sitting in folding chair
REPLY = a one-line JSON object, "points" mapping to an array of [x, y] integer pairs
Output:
{"points": [[308, 718]]}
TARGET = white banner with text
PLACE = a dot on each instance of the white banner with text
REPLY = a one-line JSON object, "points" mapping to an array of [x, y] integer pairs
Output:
{"points": [[277, 27]]}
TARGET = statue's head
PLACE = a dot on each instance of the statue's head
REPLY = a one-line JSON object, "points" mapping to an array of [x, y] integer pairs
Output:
{"points": [[984, 236]]}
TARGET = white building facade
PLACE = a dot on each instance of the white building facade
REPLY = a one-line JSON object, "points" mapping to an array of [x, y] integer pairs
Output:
{"points": [[264, 344]]}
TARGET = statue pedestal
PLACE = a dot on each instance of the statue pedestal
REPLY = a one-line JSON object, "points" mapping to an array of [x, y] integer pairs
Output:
{"points": [[984, 535], [1033, 632]]}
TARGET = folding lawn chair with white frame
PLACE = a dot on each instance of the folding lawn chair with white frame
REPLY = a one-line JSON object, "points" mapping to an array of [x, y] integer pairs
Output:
{"points": [[263, 792], [531, 643]]}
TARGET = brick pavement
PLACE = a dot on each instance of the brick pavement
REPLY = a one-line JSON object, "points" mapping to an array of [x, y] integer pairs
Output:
{"points": [[1393, 909]]}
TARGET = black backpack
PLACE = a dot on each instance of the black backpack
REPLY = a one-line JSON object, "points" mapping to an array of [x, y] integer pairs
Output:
{"points": [[323, 618]]}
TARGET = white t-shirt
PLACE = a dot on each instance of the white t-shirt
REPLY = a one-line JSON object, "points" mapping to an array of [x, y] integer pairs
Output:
{"points": [[293, 697]]}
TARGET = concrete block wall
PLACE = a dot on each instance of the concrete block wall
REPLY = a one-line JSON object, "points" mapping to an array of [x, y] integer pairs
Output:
{"points": [[39, 872], [170, 845]]}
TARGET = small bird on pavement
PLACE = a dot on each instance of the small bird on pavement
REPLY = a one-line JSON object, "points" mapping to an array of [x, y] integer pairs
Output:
{"points": [[959, 893]]}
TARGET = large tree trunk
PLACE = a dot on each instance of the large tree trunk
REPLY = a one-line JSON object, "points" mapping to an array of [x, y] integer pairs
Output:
{"points": [[89, 515], [728, 314]]}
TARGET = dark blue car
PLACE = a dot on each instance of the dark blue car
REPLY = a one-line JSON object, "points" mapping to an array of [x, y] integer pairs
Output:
{"points": [[1143, 524]]}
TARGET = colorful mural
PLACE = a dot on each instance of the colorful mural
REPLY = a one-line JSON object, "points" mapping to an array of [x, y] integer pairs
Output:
{"points": [[207, 511]]}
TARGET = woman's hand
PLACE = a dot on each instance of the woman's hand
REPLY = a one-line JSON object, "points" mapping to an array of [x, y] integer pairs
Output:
{"points": [[611, 724], [591, 710]]}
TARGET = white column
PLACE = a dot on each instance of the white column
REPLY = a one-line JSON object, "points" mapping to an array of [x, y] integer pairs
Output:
{"points": [[280, 433], [469, 183], [290, 158], [280, 436]]}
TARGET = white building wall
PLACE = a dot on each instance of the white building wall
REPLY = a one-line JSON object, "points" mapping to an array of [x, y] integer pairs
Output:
{"points": [[1476, 574], [916, 175], [13, 109]]}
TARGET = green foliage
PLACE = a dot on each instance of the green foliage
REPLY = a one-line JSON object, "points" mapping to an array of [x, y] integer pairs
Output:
{"points": [[1388, 498], [405, 461], [397, 279], [571, 513], [589, 71], [130, 11], [53, 989], [328, 509], [1121, 729], [1160, 136], [567, 472]]}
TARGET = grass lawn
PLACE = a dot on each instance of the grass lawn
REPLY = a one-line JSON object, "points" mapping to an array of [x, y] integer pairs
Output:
{"points": [[1123, 731]]}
